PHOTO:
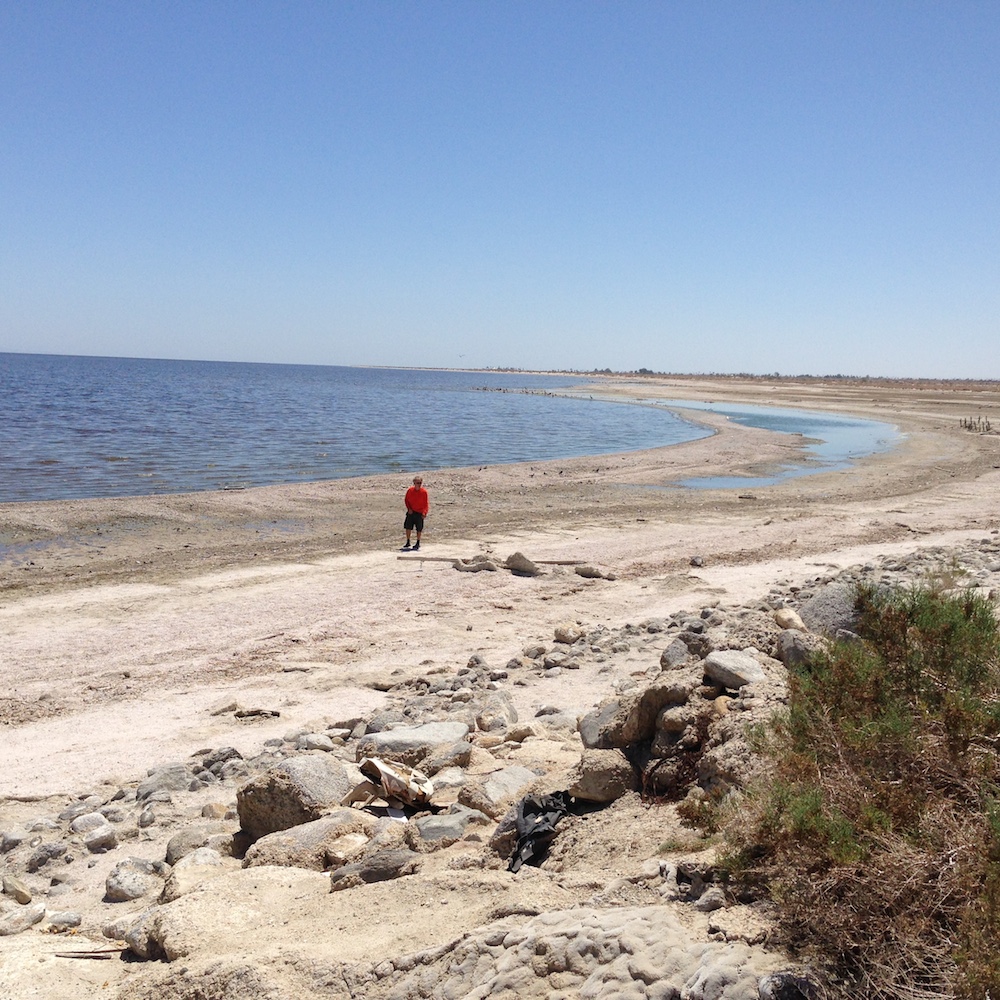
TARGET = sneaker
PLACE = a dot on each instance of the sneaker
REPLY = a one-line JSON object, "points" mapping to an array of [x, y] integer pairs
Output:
{"points": [[415, 547], [405, 548]]}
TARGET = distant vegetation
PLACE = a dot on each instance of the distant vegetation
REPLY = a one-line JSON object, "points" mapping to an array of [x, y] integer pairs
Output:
{"points": [[876, 828]]}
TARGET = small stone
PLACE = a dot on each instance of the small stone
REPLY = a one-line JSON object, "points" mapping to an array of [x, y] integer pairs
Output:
{"points": [[315, 741], [101, 839], [43, 854], [15, 887]]}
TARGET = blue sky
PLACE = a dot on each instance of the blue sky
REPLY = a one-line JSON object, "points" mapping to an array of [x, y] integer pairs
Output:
{"points": [[693, 187]]}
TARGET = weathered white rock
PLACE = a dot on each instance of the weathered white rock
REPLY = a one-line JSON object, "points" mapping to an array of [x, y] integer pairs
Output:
{"points": [[733, 668], [21, 918], [101, 838], [788, 618], [131, 879], [520, 565], [315, 741], [569, 632], [87, 822], [410, 744], [171, 778], [498, 790]]}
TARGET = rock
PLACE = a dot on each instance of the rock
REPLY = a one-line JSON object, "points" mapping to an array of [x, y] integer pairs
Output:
{"points": [[10, 840], [140, 936], [787, 986], [410, 744], [64, 919], [675, 655], [315, 741], [733, 668], [172, 778], [131, 879], [439, 831], [588, 572], [794, 647], [87, 822], [379, 867], [43, 854], [79, 808], [787, 618], [221, 755], [21, 918], [101, 838], [494, 794], [831, 609], [602, 776], [193, 870], [520, 565], [17, 889], [190, 839], [457, 755], [477, 564], [308, 845], [345, 849], [632, 718], [498, 713], [534, 651], [698, 643], [295, 791], [712, 899], [569, 632]]}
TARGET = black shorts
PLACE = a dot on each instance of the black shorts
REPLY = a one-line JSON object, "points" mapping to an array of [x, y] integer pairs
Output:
{"points": [[413, 520]]}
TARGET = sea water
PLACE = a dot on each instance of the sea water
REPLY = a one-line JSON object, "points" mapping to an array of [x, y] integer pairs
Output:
{"points": [[73, 427], [831, 441]]}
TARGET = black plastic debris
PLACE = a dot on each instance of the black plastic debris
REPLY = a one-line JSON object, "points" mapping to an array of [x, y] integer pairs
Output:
{"points": [[537, 816]]}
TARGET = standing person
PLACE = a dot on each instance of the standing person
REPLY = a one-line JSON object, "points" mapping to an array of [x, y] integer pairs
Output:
{"points": [[417, 507]]}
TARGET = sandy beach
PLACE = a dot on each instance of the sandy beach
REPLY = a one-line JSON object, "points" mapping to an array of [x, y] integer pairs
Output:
{"points": [[129, 624], [123, 619]]}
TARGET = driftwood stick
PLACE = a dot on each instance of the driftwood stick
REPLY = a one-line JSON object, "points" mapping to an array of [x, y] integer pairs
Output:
{"points": [[455, 559], [97, 953]]}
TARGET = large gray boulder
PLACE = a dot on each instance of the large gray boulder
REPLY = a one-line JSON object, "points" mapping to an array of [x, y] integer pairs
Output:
{"points": [[492, 795], [733, 668], [293, 792], [602, 776], [171, 778], [379, 867], [309, 845], [632, 718], [794, 647], [831, 610], [411, 744]]}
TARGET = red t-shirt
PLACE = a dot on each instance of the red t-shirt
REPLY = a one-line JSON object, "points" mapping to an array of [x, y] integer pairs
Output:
{"points": [[417, 500]]}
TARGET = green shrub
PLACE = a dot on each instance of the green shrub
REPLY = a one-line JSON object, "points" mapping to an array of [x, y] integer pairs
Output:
{"points": [[876, 830]]}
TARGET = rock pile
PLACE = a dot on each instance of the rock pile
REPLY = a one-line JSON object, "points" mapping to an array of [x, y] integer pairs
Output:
{"points": [[198, 849]]}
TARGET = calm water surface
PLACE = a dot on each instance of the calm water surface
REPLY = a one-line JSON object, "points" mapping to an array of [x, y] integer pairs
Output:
{"points": [[833, 441], [74, 427]]}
